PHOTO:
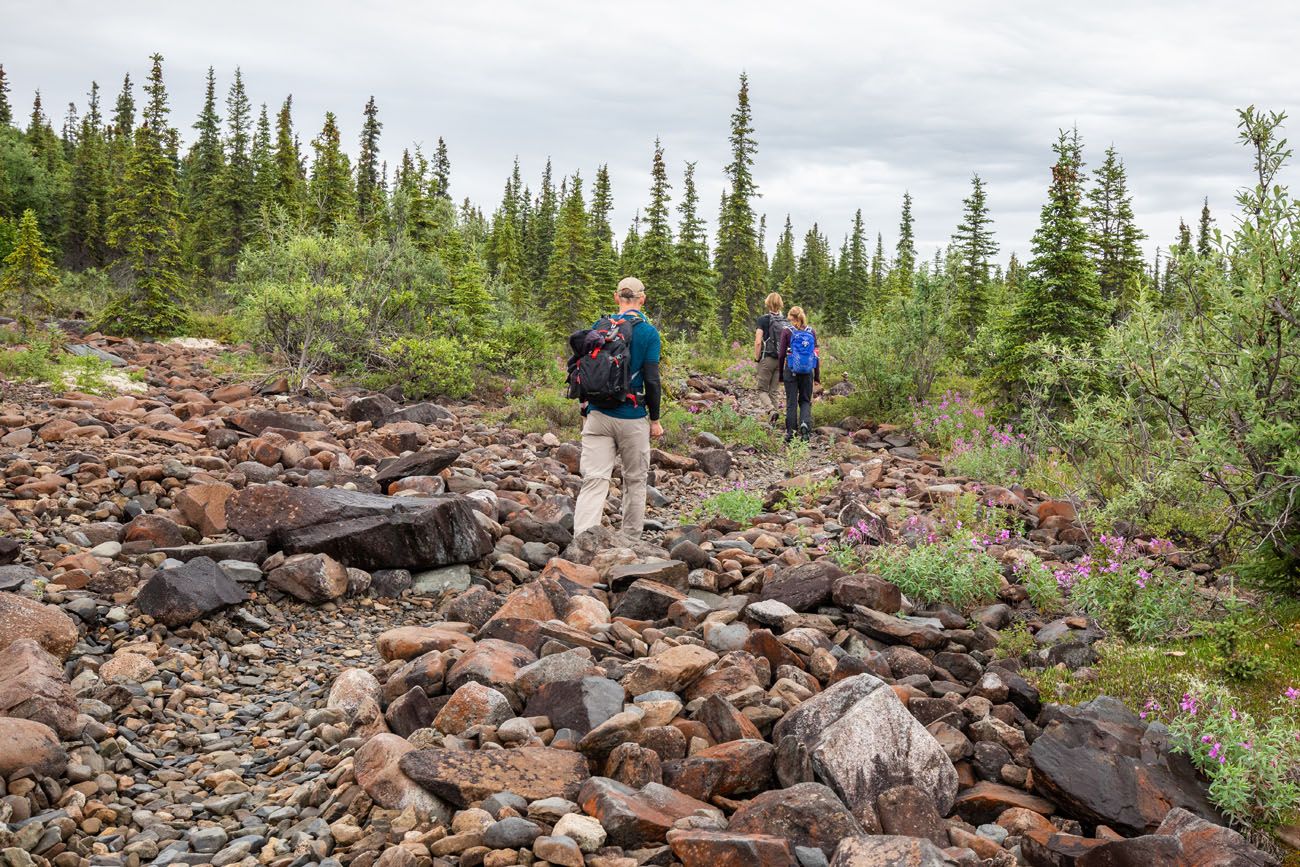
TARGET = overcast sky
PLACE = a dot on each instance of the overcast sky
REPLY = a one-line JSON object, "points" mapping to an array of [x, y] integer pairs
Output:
{"points": [[853, 103]]}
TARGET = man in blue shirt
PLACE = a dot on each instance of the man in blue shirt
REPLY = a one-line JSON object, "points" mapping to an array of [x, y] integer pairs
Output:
{"points": [[624, 431]]}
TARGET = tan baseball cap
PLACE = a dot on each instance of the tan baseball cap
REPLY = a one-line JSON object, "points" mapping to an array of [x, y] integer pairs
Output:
{"points": [[630, 287]]}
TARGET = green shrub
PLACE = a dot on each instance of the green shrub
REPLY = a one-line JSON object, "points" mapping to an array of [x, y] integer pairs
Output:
{"points": [[736, 505], [1235, 639], [1015, 641], [428, 367], [735, 429], [544, 409], [1040, 584], [1253, 763], [1115, 588], [950, 570]]}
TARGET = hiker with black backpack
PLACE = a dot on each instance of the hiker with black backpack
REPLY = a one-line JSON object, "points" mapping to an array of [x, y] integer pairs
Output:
{"points": [[614, 371], [799, 367], [767, 346]]}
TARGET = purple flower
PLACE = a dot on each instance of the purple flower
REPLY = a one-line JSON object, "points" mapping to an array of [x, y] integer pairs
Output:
{"points": [[1292, 693], [1189, 704]]}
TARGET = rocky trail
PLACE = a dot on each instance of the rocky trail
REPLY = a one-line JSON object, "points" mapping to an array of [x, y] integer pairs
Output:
{"points": [[244, 627]]}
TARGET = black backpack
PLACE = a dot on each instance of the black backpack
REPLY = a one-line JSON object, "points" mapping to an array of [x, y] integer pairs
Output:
{"points": [[600, 369], [776, 323]]}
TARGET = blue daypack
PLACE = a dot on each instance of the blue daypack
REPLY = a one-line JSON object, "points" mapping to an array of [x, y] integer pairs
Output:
{"points": [[802, 354]]}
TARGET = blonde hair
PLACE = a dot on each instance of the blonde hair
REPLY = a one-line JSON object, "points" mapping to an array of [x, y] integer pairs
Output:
{"points": [[773, 302], [798, 318]]}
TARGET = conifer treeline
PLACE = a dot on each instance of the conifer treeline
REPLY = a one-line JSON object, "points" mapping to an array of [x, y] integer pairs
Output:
{"points": [[115, 192]]}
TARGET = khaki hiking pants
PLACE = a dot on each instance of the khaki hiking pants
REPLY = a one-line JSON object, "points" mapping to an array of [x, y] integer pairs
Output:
{"points": [[769, 384], [603, 438]]}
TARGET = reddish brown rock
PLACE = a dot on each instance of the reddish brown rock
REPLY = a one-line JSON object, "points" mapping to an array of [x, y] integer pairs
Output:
{"points": [[48, 626], [728, 849], [530, 772], [379, 774], [734, 768], [635, 818], [868, 591], [470, 705], [806, 814], [26, 743], [204, 506], [156, 530], [906, 811], [32, 687], [491, 662], [314, 578], [985, 802], [670, 670], [885, 851], [408, 642]]}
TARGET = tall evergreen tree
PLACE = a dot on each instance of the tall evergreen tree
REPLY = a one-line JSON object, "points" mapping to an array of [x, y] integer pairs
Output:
{"points": [[569, 300], [973, 245], [332, 196], [1205, 235], [783, 264], [695, 279], [655, 266], [738, 259], [1113, 235], [85, 242], [237, 195], [812, 278], [147, 225], [6, 110], [442, 171], [262, 155], [541, 230], [202, 170], [120, 140], [27, 274], [630, 252], [878, 266], [288, 189], [905, 252], [856, 278], [1061, 299], [370, 200], [604, 259]]}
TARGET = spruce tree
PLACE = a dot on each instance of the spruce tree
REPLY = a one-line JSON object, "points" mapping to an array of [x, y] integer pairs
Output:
{"points": [[856, 280], [783, 264], [6, 110], [973, 245], [262, 156], [330, 192], [569, 300], [147, 226], [836, 312], [738, 259], [506, 248], [120, 140], [370, 201], [655, 265], [1061, 299], [442, 171], [905, 252], [630, 252], [1113, 236], [604, 261], [541, 230], [695, 279], [288, 189], [1204, 234], [85, 242], [27, 275], [237, 197], [878, 272], [201, 175], [813, 272]]}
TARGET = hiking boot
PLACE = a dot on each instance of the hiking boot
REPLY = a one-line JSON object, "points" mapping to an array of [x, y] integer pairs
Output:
{"points": [[804, 433], [774, 416]]}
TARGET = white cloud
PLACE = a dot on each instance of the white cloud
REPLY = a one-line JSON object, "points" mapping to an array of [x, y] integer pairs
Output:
{"points": [[852, 103]]}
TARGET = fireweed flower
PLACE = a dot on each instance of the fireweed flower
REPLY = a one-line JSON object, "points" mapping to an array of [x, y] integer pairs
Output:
{"points": [[1143, 577], [1292, 693], [1189, 704]]}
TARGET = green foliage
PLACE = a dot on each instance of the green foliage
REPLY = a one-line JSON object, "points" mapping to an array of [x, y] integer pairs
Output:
{"points": [[736, 505], [1235, 639], [1128, 600], [949, 570], [807, 495], [894, 358], [542, 410], [735, 429], [974, 245], [1253, 762], [42, 360], [432, 366], [1040, 585], [1113, 235], [570, 301], [27, 276], [738, 259], [1015, 641], [794, 456]]}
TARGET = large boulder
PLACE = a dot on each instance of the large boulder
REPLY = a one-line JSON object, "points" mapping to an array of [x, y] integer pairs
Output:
{"points": [[887, 851], [859, 739], [32, 687], [315, 578], [48, 626], [806, 814], [428, 463], [262, 511], [804, 587], [26, 743], [1105, 765], [176, 597], [378, 773], [635, 818], [464, 777], [442, 532], [580, 704]]}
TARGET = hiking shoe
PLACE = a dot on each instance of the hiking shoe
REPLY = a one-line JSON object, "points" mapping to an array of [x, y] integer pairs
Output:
{"points": [[804, 433]]}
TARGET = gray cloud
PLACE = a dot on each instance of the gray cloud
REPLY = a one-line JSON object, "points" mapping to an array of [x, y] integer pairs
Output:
{"points": [[852, 105]]}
